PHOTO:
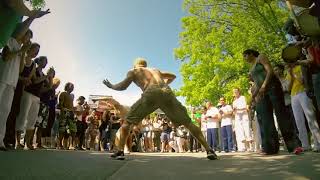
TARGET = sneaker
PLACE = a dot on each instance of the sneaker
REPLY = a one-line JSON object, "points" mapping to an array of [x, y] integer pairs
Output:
{"points": [[10, 147], [212, 155], [40, 147], [30, 147], [20, 146], [80, 149], [119, 155], [298, 151]]}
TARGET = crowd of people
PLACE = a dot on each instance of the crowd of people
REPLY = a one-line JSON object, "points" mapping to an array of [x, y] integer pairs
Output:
{"points": [[289, 91], [33, 115]]}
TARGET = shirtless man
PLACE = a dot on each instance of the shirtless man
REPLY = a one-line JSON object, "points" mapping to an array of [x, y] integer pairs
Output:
{"points": [[66, 118], [156, 94]]}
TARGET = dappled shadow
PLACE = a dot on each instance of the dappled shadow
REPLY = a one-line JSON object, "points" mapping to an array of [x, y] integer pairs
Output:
{"points": [[52, 164], [229, 166]]}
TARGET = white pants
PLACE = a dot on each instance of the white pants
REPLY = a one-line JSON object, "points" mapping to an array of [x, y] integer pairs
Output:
{"points": [[256, 134], [204, 133], [177, 144], [302, 105], [29, 110], [242, 130], [180, 142], [6, 98], [173, 144]]}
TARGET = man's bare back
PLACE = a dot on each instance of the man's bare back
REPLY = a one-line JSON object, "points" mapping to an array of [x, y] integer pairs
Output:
{"points": [[147, 77]]}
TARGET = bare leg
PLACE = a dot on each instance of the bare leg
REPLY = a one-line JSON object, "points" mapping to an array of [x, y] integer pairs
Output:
{"points": [[121, 140], [29, 138], [122, 135], [129, 143], [66, 141], [163, 146], [151, 149], [101, 143], [73, 140], [18, 139], [60, 140], [92, 141]]}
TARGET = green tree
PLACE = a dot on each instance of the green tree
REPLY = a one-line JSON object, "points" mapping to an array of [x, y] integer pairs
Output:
{"points": [[37, 4], [215, 33]]}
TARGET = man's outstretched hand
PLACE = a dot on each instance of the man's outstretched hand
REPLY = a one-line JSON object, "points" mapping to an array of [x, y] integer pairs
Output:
{"points": [[39, 13], [107, 83]]}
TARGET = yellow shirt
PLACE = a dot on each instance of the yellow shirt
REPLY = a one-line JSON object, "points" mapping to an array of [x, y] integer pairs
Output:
{"points": [[297, 86]]}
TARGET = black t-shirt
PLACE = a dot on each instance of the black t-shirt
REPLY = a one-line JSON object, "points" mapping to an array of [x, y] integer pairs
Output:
{"points": [[36, 88], [49, 98], [166, 128], [116, 125], [104, 125], [27, 70]]}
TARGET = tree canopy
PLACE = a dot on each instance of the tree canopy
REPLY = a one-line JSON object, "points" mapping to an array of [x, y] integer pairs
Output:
{"points": [[37, 4], [215, 33]]}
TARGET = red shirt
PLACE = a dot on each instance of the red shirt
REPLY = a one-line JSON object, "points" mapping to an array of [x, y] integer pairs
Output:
{"points": [[315, 52], [84, 116]]}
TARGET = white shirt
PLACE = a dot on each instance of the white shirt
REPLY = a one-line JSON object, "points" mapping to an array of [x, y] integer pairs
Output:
{"points": [[203, 122], [226, 120], [240, 103], [9, 70], [145, 124], [79, 108], [156, 125], [179, 132], [211, 122]]}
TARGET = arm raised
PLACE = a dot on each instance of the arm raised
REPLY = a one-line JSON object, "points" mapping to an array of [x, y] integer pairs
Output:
{"points": [[168, 77], [123, 85]]}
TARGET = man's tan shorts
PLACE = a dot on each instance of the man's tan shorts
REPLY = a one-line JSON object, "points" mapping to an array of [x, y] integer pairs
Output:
{"points": [[155, 98]]}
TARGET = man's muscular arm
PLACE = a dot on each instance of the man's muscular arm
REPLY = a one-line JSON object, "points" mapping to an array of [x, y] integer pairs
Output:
{"points": [[123, 85], [168, 77]]}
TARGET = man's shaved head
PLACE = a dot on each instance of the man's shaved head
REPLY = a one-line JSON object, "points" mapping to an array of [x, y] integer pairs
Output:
{"points": [[140, 62]]}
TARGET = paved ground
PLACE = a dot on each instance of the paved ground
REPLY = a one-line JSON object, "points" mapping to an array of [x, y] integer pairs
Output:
{"points": [[65, 165]]}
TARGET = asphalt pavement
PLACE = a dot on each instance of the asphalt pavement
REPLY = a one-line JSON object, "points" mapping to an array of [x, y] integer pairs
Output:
{"points": [[90, 165]]}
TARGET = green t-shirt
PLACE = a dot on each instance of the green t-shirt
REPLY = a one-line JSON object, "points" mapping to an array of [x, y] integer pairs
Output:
{"points": [[194, 121], [8, 23]]}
